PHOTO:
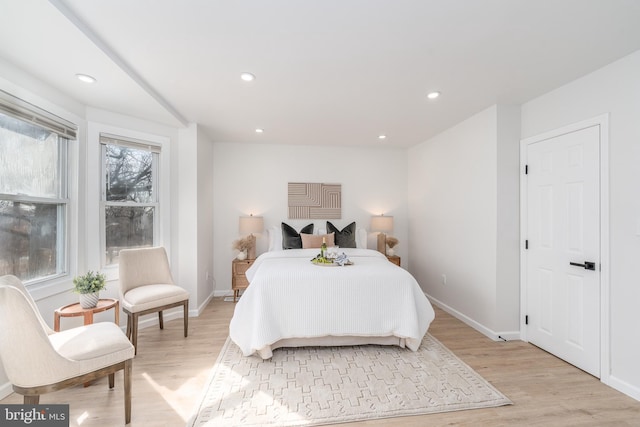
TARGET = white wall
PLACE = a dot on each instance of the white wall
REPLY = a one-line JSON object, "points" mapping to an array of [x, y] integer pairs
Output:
{"points": [[195, 210], [205, 219], [463, 207], [252, 179], [186, 198], [508, 221], [452, 211], [614, 89]]}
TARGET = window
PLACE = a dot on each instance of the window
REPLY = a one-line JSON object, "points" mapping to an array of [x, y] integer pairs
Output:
{"points": [[33, 191], [129, 200]]}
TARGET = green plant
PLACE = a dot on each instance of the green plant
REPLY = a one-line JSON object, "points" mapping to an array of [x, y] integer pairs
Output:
{"points": [[89, 283]]}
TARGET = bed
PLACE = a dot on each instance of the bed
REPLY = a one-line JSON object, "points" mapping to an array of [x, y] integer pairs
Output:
{"points": [[292, 303]]}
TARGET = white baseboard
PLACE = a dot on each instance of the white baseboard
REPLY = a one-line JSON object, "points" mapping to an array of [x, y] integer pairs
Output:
{"points": [[222, 293], [495, 336], [5, 390], [509, 336], [198, 311], [623, 387]]}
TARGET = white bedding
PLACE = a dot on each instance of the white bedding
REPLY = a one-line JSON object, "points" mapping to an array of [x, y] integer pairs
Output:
{"points": [[290, 298]]}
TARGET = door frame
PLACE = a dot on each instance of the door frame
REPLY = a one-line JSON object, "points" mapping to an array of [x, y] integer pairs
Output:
{"points": [[603, 122]]}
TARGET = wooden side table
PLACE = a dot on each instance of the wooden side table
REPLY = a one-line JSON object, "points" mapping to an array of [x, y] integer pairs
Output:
{"points": [[75, 310], [238, 279], [394, 259]]}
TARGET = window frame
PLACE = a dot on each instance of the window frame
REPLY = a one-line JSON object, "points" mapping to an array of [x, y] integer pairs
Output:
{"points": [[92, 239], [128, 142], [66, 132]]}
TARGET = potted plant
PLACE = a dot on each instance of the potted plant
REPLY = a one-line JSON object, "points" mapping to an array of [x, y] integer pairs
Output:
{"points": [[391, 242], [242, 245], [89, 286]]}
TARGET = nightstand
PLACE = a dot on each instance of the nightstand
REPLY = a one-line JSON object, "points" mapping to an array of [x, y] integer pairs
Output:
{"points": [[238, 279], [394, 259]]}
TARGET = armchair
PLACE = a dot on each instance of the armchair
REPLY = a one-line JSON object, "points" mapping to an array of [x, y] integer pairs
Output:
{"points": [[38, 360], [146, 286]]}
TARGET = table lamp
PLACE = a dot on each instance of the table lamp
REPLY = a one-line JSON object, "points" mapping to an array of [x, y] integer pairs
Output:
{"points": [[383, 224], [249, 225]]}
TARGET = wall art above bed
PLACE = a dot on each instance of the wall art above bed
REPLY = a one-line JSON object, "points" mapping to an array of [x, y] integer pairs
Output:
{"points": [[315, 200]]}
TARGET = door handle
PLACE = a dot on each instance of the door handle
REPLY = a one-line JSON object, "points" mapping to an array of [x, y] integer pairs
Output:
{"points": [[587, 265]]}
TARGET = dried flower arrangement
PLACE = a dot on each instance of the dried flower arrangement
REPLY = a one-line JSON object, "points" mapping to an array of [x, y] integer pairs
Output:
{"points": [[243, 244], [392, 241]]}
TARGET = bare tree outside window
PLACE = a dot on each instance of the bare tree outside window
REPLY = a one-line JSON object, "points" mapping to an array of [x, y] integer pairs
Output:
{"points": [[129, 198], [129, 174]]}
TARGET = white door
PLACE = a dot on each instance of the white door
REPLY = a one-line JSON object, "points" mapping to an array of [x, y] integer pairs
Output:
{"points": [[563, 234]]}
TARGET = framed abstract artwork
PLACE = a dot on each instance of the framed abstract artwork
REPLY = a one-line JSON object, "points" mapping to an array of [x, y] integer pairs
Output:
{"points": [[314, 200]]}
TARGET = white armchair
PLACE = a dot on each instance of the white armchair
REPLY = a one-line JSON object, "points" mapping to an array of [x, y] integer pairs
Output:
{"points": [[146, 286], [38, 360]]}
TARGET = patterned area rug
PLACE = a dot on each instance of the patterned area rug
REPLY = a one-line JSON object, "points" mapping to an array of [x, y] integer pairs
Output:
{"points": [[325, 385]]}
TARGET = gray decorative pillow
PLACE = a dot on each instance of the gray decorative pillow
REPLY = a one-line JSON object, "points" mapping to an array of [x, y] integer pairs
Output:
{"points": [[345, 238], [291, 238]]}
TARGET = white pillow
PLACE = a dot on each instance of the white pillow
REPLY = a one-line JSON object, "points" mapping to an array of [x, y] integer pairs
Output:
{"points": [[361, 238], [275, 238]]}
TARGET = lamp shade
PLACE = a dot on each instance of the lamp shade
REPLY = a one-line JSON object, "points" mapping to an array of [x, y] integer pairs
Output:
{"points": [[251, 224], [382, 223]]}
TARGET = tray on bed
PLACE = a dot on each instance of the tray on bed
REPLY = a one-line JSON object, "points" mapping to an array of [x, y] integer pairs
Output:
{"points": [[331, 264]]}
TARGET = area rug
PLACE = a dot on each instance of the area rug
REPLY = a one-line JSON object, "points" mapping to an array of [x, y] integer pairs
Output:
{"points": [[326, 385]]}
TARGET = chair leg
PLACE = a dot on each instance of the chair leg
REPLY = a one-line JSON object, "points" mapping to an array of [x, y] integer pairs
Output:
{"points": [[112, 380], [134, 331], [32, 400], [186, 317], [160, 319], [127, 391], [129, 326]]}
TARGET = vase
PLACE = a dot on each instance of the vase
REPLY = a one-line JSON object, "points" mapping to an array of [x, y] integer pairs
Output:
{"points": [[89, 300], [242, 255]]}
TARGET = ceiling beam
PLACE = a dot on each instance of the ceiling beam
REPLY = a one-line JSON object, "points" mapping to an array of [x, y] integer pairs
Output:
{"points": [[121, 63]]}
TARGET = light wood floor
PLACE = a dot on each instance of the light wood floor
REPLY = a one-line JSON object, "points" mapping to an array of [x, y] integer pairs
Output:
{"points": [[170, 371]]}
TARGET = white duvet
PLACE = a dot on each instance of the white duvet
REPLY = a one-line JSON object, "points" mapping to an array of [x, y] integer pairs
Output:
{"points": [[289, 297]]}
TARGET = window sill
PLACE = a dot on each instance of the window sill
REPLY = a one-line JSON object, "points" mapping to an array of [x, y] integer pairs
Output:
{"points": [[51, 287]]}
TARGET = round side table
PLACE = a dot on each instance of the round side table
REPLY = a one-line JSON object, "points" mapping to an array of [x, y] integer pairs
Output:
{"points": [[74, 310]]}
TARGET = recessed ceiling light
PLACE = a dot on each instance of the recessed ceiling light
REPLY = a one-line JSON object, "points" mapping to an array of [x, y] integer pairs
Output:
{"points": [[433, 95], [382, 136], [86, 78], [259, 130], [247, 77]]}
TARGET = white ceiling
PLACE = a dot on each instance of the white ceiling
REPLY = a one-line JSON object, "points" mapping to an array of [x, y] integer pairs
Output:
{"points": [[334, 72]]}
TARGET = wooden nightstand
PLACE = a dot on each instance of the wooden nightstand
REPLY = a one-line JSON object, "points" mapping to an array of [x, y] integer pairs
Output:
{"points": [[394, 259], [238, 279]]}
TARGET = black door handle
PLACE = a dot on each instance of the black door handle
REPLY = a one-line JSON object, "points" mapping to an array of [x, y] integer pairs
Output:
{"points": [[587, 265]]}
